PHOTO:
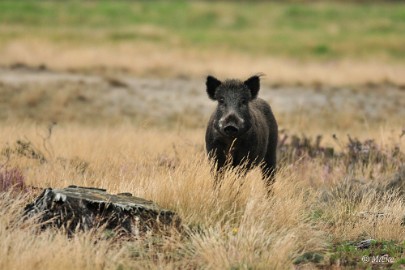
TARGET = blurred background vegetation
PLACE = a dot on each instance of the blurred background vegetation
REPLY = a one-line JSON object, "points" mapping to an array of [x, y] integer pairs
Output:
{"points": [[306, 30]]}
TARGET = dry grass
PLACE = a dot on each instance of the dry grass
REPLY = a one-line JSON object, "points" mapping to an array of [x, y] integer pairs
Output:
{"points": [[149, 59], [145, 136], [313, 205]]}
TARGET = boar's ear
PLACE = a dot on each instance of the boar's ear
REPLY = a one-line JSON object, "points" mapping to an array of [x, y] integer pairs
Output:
{"points": [[212, 85], [253, 83]]}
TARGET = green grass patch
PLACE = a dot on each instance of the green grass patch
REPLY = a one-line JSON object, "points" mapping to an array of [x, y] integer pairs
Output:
{"points": [[318, 31], [380, 253]]}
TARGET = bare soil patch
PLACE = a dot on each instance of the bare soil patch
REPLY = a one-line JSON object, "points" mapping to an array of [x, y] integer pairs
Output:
{"points": [[42, 95]]}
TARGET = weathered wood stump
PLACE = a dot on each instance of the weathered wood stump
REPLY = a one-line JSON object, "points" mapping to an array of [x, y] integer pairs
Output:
{"points": [[79, 208]]}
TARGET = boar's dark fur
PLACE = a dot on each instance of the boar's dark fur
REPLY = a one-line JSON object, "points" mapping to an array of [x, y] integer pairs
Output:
{"points": [[242, 130]]}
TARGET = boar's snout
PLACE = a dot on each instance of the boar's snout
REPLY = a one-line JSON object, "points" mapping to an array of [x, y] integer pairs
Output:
{"points": [[231, 130], [231, 125]]}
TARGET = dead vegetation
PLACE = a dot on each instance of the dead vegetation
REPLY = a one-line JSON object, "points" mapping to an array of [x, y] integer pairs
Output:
{"points": [[323, 196], [133, 135], [123, 81]]}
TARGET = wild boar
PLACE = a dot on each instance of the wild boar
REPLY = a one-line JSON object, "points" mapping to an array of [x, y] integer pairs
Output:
{"points": [[243, 129]]}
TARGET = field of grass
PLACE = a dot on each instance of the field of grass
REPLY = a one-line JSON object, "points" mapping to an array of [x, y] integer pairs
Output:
{"points": [[303, 31], [329, 42], [321, 208], [146, 136], [111, 94]]}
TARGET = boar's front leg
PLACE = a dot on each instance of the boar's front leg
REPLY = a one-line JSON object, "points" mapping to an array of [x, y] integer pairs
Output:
{"points": [[218, 158], [269, 172]]}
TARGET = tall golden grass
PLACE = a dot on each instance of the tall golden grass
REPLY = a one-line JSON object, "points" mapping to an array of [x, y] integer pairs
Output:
{"points": [[236, 227]]}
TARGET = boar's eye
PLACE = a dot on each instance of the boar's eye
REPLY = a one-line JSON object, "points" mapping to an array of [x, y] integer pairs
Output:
{"points": [[244, 101], [221, 100]]}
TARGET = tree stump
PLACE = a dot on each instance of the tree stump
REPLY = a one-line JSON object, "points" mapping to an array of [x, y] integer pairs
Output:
{"points": [[80, 208]]}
